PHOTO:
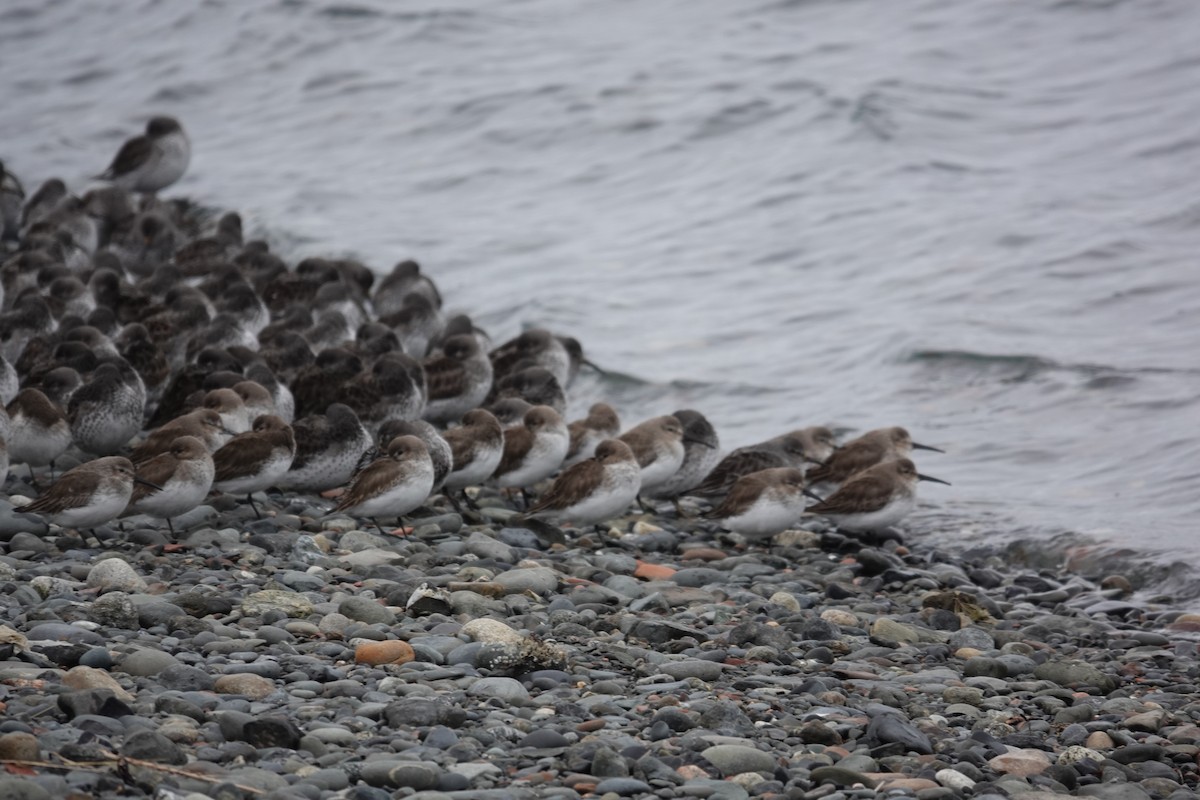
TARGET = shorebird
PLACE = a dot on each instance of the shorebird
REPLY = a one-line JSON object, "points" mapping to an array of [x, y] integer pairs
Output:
{"points": [[535, 385], [416, 324], [476, 446], [439, 449], [393, 484], [658, 446], [107, 410], [510, 411], [600, 423], [256, 398], [152, 161], [536, 347], [875, 498], [328, 447], [701, 450], [255, 460], [91, 494], [873, 447], [202, 423], [763, 503], [533, 450], [12, 197], [594, 490], [457, 381], [230, 406], [792, 449], [40, 432], [404, 279], [184, 475]]}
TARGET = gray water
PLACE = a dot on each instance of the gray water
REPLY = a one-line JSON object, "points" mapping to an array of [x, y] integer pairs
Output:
{"points": [[977, 219]]}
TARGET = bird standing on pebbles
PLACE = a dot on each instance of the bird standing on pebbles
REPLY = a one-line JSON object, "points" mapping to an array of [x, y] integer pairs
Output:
{"points": [[875, 498], [184, 475], [91, 494], [792, 449], [393, 484], [255, 460], [594, 490], [477, 445], [600, 423], [873, 447], [533, 450], [763, 503], [658, 446]]}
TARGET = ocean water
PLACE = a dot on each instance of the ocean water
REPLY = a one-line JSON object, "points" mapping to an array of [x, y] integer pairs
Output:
{"points": [[979, 220]]}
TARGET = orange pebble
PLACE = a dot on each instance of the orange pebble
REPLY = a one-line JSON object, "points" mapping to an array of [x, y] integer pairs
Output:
{"points": [[387, 652]]}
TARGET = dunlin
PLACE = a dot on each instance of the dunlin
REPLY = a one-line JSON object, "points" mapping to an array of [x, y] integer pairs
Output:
{"points": [[255, 397], [416, 324], [536, 347], [535, 385], [657, 444], [873, 447], [874, 498], [792, 449], [701, 451], [439, 449], [477, 446], [202, 423], [457, 381], [319, 385], [12, 197], [107, 410], [10, 384], [281, 394], [91, 494], [594, 490], [152, 161], [763, 503], [600, 423], [394, 388], [230, 406], [40, 431], [533, 450], [510, 411], [328, 447], [404, 279], [392, 485], [255, 460], [185, 476]]}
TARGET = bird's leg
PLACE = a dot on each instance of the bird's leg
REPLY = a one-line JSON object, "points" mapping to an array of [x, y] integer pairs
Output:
{"points": [[648, 508], [525, 499], [250, 499], [171, 528], [454, 502], [378, 527]]}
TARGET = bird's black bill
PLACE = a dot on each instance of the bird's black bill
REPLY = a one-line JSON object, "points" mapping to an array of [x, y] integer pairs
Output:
{"points": [[935, 480], [592, 364], [154, 486], [813, 495], [812, 460], [926, 447]]}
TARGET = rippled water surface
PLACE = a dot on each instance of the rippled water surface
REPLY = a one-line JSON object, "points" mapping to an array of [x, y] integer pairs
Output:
{"points": [[979, 220]]}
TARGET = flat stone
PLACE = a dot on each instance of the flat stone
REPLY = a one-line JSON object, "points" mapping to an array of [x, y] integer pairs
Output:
{"points": [[293, 604], [1021, 762], [255, 687], [734, 759], [115, 575], [1073, 673]]}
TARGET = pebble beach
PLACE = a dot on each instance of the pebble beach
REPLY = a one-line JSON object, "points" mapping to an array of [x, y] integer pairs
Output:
{"points": [[302, 656]]}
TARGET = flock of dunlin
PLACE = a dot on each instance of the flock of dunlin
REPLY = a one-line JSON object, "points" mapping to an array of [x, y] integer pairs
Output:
{"points": [[186, 364]]}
